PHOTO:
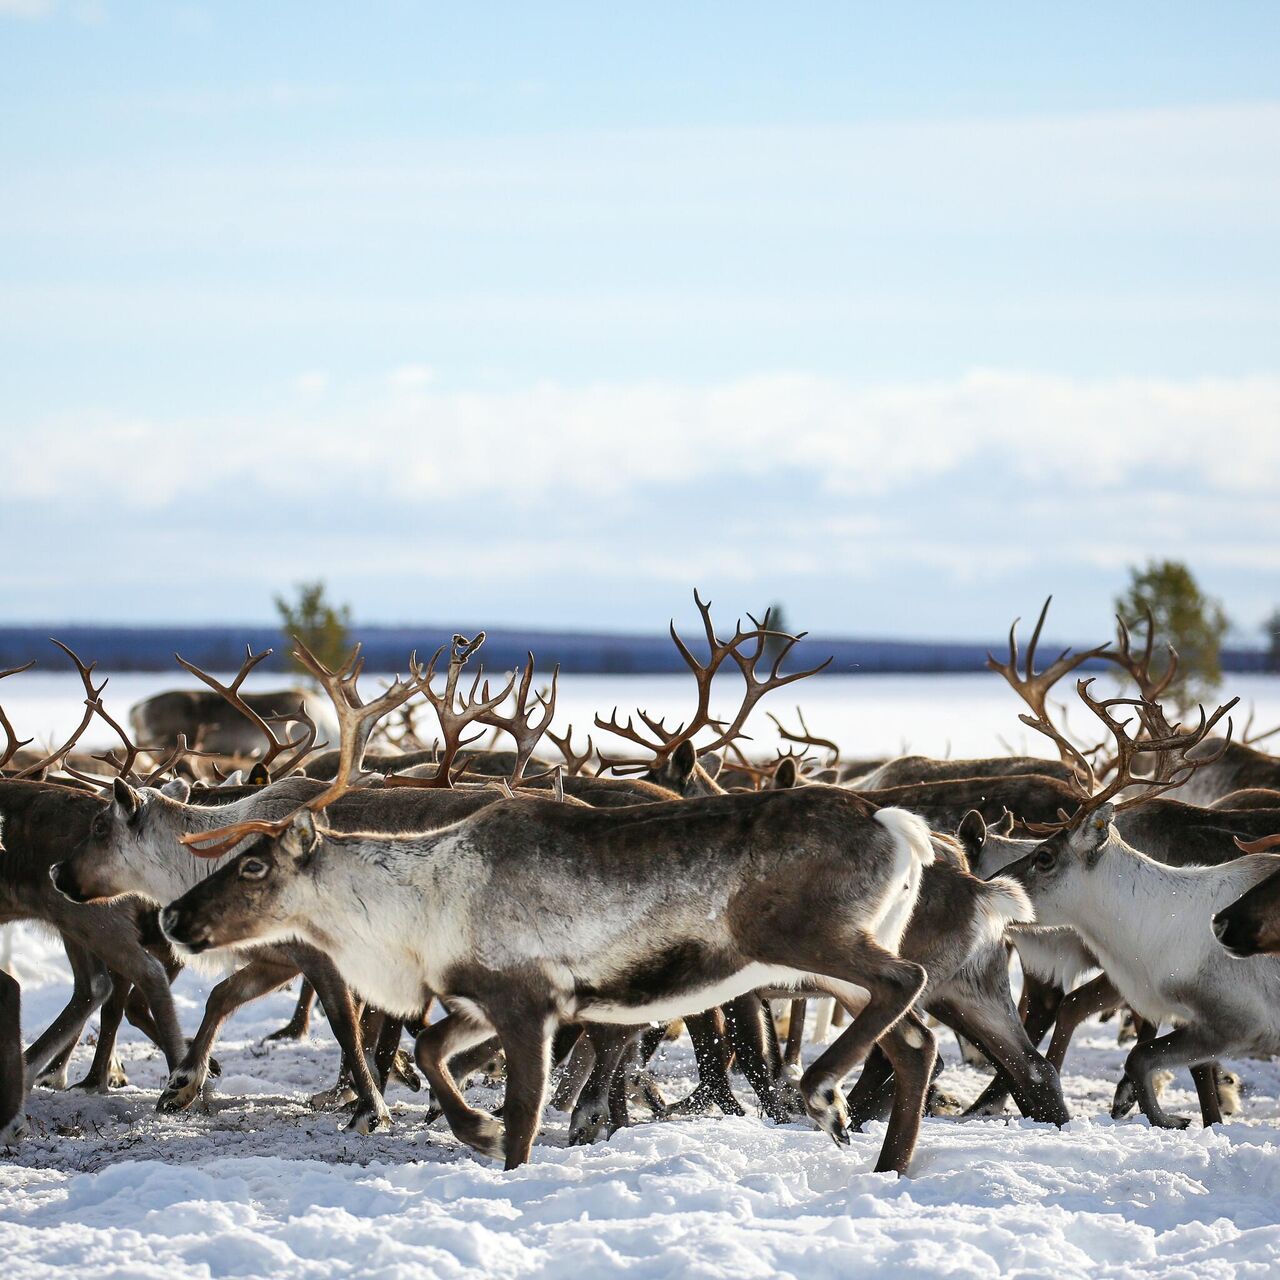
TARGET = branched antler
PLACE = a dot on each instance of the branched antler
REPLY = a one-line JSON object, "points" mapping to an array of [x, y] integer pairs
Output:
{"points": [[299, 748], [527, 723], [1033, 686], [12, 743], [455, 712], [745, 649], [356, 721], [92, 705], [1170, 745], [1138, 667], [573, 762], [806, 738]]}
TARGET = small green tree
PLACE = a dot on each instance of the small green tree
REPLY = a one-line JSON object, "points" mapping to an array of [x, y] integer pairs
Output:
{"points": [[1271, 629], [1185, 617], [321, 626]]}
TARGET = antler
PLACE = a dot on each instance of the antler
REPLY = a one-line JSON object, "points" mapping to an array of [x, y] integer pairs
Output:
{"points": [[92, 704], [1139, 668], [453, 712], [12, 743], [1033, 686], [573, 762], [356, 720], [664, 740], [1263, 845], [1247, 736], [520, 723], [805, 738], [1169, 743], [300, 746]]}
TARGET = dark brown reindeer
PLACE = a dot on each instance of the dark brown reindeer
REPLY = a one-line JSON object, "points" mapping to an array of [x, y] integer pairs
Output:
{"points": [[612, 916], [1250, 926]]}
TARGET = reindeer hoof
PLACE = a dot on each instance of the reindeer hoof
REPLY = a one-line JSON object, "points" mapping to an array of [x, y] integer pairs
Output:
{"points": [[404, 1072], [181, 1090], [584, 1130], [484, 1134], [331, 1099], [828, 1109], [14, 1131], [90, 1085], [1125, 1100], [288, 1032], [369, 1118], [54, 1078]]}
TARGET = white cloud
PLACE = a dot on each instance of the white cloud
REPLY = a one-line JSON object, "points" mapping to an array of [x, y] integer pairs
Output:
{"points": [[26, 8], [1121, 437]]}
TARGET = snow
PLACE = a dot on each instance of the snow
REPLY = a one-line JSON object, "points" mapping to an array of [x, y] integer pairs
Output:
{"points": [[261, 1185]]}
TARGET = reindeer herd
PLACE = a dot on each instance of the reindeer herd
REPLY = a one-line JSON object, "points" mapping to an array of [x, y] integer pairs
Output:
{"points": [[566, 916]]}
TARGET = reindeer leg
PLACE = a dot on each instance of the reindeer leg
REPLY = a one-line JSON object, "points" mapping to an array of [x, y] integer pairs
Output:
{"points": [[1207, 1091], [871, 1097], [609, 1043], [1126, 1096], [795, 1032], [755, 1043], [435, 1046], [371, 1111], [300, 1023], [1077, 1007], [104, 1070], [1037, 1008], [91, 986], [256, 979], [910, 1047], [708, 1033], [849, 965], [1188, 1046], [12, 1074]]}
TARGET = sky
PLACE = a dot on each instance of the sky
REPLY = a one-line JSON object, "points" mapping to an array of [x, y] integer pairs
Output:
{"points": [[544, 314]]}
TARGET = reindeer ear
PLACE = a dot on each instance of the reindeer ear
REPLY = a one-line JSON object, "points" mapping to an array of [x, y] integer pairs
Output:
{"points": [[972, 831], [126, 797], [300, 837], [177, 789], [683, 759], [1099, 827], [711, 764], [258, 775], [1006, 824], [786, 775]]}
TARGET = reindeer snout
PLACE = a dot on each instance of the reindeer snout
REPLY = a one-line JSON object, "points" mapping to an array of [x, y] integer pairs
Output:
{"points": [[180, 930]]}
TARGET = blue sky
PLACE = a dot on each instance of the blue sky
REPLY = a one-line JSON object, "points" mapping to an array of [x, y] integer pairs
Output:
{"points": [[904, 315]]}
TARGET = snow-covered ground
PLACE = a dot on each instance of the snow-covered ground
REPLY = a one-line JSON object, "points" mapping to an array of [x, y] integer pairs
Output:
{"points": [[259, 1185]]}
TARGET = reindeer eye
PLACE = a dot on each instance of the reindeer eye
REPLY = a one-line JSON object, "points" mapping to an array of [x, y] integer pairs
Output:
{"points": [[253, 869], [1045, 860], [101, 826]]}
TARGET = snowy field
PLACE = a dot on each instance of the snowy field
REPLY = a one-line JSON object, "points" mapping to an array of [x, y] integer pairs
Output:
{"points": [[260, 1185]]}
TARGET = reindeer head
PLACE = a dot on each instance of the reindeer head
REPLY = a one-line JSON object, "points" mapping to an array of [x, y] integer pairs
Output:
{"points": [[1054, 871], [256, 895]]}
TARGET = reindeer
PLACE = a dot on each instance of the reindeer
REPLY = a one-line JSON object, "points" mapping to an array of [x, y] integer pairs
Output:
{"points": [[612, 916], [1162, 958]]}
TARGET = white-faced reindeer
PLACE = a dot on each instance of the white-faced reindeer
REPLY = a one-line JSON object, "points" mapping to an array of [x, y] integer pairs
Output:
{"points": [[533, 912], [1151, 925]]}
